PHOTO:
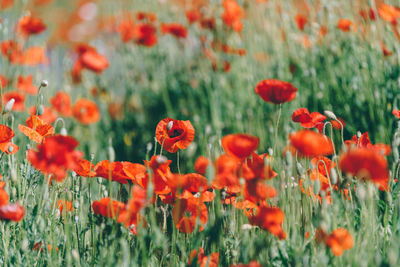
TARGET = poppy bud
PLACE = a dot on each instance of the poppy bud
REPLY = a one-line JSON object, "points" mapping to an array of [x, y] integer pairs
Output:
{"points": [[299, 168], [44, 83], [361, 192], [359, 134], [161, 159], [8, 107], [40, 110], [330, 115], [316, 187], [170, 125], [149, 147], [76, 204], [270, 151], [334, 176], [63, 131], [13, 173], [111, 153], [10, 149]]}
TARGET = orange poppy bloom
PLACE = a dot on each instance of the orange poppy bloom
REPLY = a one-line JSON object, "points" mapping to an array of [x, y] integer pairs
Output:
{"points": [[64, 205], [19, 104], [201, 164], [120, 172], [56, 155], [145, 34], [271, 219], [227, 174], [61, 102], [6, 134], [174, 134], [336, 125], [176, 29], [311, 144], [255, 168], [34, 56], [276, 91], [48, 115], [232, 15], [365, 142], [193, 15], [25, 85], [385, 51], [12, 51], [4, 198], [39, 246], [36, 129], [396, 113], [94, 61], [131, 214], [240, 145], [345, 25], [4, 4], [202, 260], [366, 164], [86, 111], [339, 241], [256, 190], [301, 21], [108, 208], [195, 208], [307, 120], [322, 162], [389, 13], [12, 212], [85, 168], [161, 172], [30, 25]]}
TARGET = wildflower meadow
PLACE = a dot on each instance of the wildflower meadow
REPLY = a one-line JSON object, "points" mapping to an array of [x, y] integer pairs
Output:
{"points": [[199, 133]]}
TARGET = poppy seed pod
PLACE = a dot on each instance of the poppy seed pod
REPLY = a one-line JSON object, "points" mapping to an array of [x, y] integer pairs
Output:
{"points": [[330, 115], [63, 131], [40, 110]]}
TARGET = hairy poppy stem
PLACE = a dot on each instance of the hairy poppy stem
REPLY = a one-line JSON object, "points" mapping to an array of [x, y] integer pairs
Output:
{"points": [[276, 128], [177, 161]]}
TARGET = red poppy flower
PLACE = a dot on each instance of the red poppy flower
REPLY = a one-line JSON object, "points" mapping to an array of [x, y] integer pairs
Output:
{"points": [[396, 113], [193, 15], [368, 14], [336, 125], [161, 172], [365, 142], [366, 164], [256, 190], [25, 85], [56, 155], [12, 51], [176, 29], [311, 144], [34, 56], [240, 145], [36, 129], [131, 214], [12, 212], [255, 168], [389, 13], [301, 115], [174, 134], [227, 174], [86, 111], [339, 241], [61, 102], [195, 208], [19, 104], [85, 168], [271, 219], [301, 21], [48, 115], [108, 208], [204, 261], [385, 51], [345, 25], [201, 164], [30, 25], [276, 91], [232, 15], [145, 34], [4, 4], [120, 172], [4, 198], [94, 61], [316, 121]]}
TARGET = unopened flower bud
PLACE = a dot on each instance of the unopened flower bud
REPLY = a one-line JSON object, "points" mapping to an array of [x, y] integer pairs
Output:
{"points": [[9, 105], [10, 149], [170, 125], [40, 110], [358, 134], [330, 115], [63, 131], [161, 159], [334, 176], [111, 153], [316, 187], [44, 83]]}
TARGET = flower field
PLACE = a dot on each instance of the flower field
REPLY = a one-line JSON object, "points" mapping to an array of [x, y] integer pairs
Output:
{"points": [[199, 133]]}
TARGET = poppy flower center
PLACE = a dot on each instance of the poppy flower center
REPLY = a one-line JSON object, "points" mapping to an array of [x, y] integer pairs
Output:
{"points": [[174, 132]]}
